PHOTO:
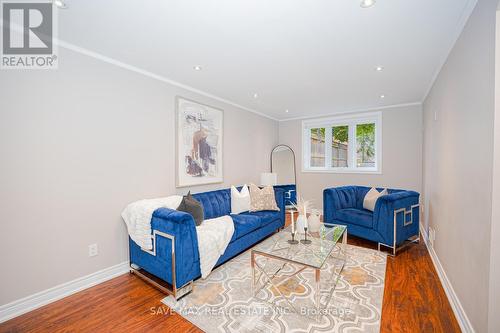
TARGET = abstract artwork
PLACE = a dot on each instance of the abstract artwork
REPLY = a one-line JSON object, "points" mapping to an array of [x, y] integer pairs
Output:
{"points": [[199, 143]]}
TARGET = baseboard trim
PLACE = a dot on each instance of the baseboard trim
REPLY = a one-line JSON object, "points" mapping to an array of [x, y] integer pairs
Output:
{"points": [[32, 302], [456, 306]]}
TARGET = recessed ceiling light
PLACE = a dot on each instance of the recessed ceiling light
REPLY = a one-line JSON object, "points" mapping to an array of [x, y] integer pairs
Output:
{"points": [[379, 68], [255, 95], [382, 96], [197, 68], [287, 111], [367, 3], [60, 4]]}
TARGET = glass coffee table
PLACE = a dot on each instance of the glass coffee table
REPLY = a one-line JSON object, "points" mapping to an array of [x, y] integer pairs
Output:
{"points": [[275, 261]]}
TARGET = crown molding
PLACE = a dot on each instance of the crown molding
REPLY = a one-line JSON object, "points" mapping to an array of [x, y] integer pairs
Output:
{"points": [[381, 108], [154, 76], [135, 69]]}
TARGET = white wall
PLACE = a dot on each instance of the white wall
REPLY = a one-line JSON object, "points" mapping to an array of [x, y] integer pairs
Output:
{"points": [[458, 163], [494, 302], [79, 143], [401, 158]]}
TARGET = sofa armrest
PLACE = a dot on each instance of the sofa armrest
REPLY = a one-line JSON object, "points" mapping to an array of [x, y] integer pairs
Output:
{"points": [[329, 205], [399, 197], [383, 215], [182, 227], [279, 195]]}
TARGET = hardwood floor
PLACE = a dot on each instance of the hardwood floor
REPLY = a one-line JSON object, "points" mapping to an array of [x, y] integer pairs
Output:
{"points": [[123, 304], [414, 301]]}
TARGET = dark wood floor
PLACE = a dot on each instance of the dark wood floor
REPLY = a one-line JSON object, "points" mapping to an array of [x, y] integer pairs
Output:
{"points": [[414, 301]]}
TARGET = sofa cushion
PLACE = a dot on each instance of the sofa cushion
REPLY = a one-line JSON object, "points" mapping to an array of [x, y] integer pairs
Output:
{"points": [[262, 199], [244, 224], [265, 217], [361, 217]]}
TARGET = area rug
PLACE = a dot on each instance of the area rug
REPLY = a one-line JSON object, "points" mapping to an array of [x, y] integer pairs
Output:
{"points": [[224, 301]]}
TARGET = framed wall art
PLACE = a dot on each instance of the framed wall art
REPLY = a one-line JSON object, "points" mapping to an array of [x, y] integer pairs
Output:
{"points": [[199, 132]]}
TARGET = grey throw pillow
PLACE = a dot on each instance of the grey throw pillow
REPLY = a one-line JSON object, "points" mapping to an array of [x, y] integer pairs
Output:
{"points": [[192, 206]]}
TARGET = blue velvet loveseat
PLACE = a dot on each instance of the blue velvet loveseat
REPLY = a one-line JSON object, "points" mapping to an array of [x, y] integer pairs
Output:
{"points": [[175, 258], [394, 220]]}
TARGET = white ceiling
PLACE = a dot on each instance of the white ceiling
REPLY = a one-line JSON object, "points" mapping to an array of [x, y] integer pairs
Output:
{"points": [[312, 57]]}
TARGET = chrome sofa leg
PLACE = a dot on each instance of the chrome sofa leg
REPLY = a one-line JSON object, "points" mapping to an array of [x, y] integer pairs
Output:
{"points": [[392, 253], [184, 290], [174, 291]]}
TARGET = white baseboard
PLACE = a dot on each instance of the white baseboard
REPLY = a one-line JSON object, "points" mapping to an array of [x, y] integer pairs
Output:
{"points": [[456, 306], [17, 308]]}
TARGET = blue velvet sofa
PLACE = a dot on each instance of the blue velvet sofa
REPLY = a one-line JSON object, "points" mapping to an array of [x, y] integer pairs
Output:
{"points": [[394, 220], [175, 258]]}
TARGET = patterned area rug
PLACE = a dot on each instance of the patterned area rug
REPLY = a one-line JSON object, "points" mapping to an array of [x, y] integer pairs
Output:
{"points": [[224, 301]]}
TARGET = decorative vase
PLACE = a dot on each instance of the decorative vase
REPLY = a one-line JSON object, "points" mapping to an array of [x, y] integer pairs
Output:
{"points": [[301, 223], [301, 206], [313, 221]]}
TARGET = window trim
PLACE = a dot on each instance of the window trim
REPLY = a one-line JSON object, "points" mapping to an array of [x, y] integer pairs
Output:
{"points": [[350, 120]]}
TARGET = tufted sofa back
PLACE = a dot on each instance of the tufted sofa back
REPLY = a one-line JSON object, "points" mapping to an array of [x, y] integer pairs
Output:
{"points": [[346, 197], [215, 203], [352, 196]]}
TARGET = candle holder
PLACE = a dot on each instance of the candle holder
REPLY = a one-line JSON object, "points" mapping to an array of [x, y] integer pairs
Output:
{"points": [[305, 241], [293, 240]]}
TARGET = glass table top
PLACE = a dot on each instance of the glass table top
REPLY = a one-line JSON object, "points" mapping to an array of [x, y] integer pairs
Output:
{"points": [[313, 255]]}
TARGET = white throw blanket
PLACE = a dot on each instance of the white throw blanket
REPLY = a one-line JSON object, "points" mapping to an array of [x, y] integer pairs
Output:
{"points": [[214, 236], [137, 216]]}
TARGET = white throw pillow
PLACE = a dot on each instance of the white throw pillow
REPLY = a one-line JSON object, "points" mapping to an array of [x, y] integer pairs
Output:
{"points": [[240, 200], [371, 198]]}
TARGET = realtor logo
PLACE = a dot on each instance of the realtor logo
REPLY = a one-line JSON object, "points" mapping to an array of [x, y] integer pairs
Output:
{"points": [[28, 35]]}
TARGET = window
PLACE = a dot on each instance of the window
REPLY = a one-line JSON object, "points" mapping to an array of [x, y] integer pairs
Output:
{"points": [[365, 145], [317, 147], [340, 146], [343, 144]]}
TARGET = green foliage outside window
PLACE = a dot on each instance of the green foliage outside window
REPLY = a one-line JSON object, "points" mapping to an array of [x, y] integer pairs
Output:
{"points": [[341, 133], [365, 137]]}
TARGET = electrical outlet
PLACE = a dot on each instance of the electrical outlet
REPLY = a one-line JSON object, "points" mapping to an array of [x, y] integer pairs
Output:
{"points": [[93, 250]]}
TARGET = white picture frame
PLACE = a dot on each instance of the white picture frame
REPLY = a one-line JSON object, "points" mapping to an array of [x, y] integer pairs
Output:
{"points": [[199, 143]]}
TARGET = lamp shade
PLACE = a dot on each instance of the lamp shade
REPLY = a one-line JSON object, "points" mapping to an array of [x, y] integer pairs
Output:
{"points": [[268, 178]]}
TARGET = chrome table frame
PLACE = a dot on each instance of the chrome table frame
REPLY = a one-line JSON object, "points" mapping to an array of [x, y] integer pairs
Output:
{"points": [[269, 278]]}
